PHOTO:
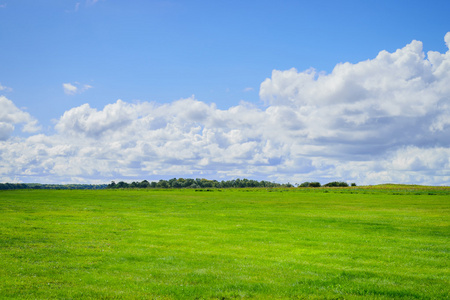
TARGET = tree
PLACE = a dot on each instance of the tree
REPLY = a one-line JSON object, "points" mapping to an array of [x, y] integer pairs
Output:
{"points": [[144, 184], [162, 184], [134, 184], [122, 185], [112, 185]]}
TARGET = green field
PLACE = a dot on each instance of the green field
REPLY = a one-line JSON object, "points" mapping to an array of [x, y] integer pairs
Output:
{"points": [[354, 243]]}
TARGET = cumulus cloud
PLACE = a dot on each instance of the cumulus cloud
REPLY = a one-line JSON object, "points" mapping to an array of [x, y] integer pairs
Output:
{"points": [[76, 88], [84, 120], [394, 99], [10, 116], [386, 119]]}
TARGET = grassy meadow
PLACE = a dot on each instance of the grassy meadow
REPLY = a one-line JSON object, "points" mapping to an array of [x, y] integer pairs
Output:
{"points": [[337, 243]]}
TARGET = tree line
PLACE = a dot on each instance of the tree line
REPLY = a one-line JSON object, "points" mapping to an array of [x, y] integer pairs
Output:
{"points": [[173, 183], [205, 183], [39, 186], [196, 183], [329, 184]]}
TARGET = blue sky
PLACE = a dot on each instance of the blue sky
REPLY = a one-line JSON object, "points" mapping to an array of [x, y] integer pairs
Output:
{"points": [[57, 56]]}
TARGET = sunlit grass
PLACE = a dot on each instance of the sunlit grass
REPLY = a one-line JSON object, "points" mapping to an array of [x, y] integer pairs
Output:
{"points": [[244, 243]]}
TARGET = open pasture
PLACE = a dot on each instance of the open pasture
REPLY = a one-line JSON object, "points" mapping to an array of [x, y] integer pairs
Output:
{"points": [[354, 243]]}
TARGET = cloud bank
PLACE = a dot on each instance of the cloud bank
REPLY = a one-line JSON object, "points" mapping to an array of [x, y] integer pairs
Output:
{"points": [[386, 119]]}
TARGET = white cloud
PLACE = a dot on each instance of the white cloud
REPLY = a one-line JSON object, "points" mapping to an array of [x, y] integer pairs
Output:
{"points": [[447, 39], [5, 88], [84, 120], [69, 89], [382, 120], [10, 115], [248, 89], [75, 88], [395, 98]]}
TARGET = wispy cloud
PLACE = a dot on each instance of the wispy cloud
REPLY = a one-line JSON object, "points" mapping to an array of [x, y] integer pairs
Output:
{"points": [[79, 5], [248, 89], [75, 88], [91, 2], [5, 88], [75, 9], [3, 5], [69, 89]]}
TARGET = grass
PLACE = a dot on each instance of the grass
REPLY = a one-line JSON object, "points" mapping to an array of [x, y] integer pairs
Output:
{"points": [[367, 242]]}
